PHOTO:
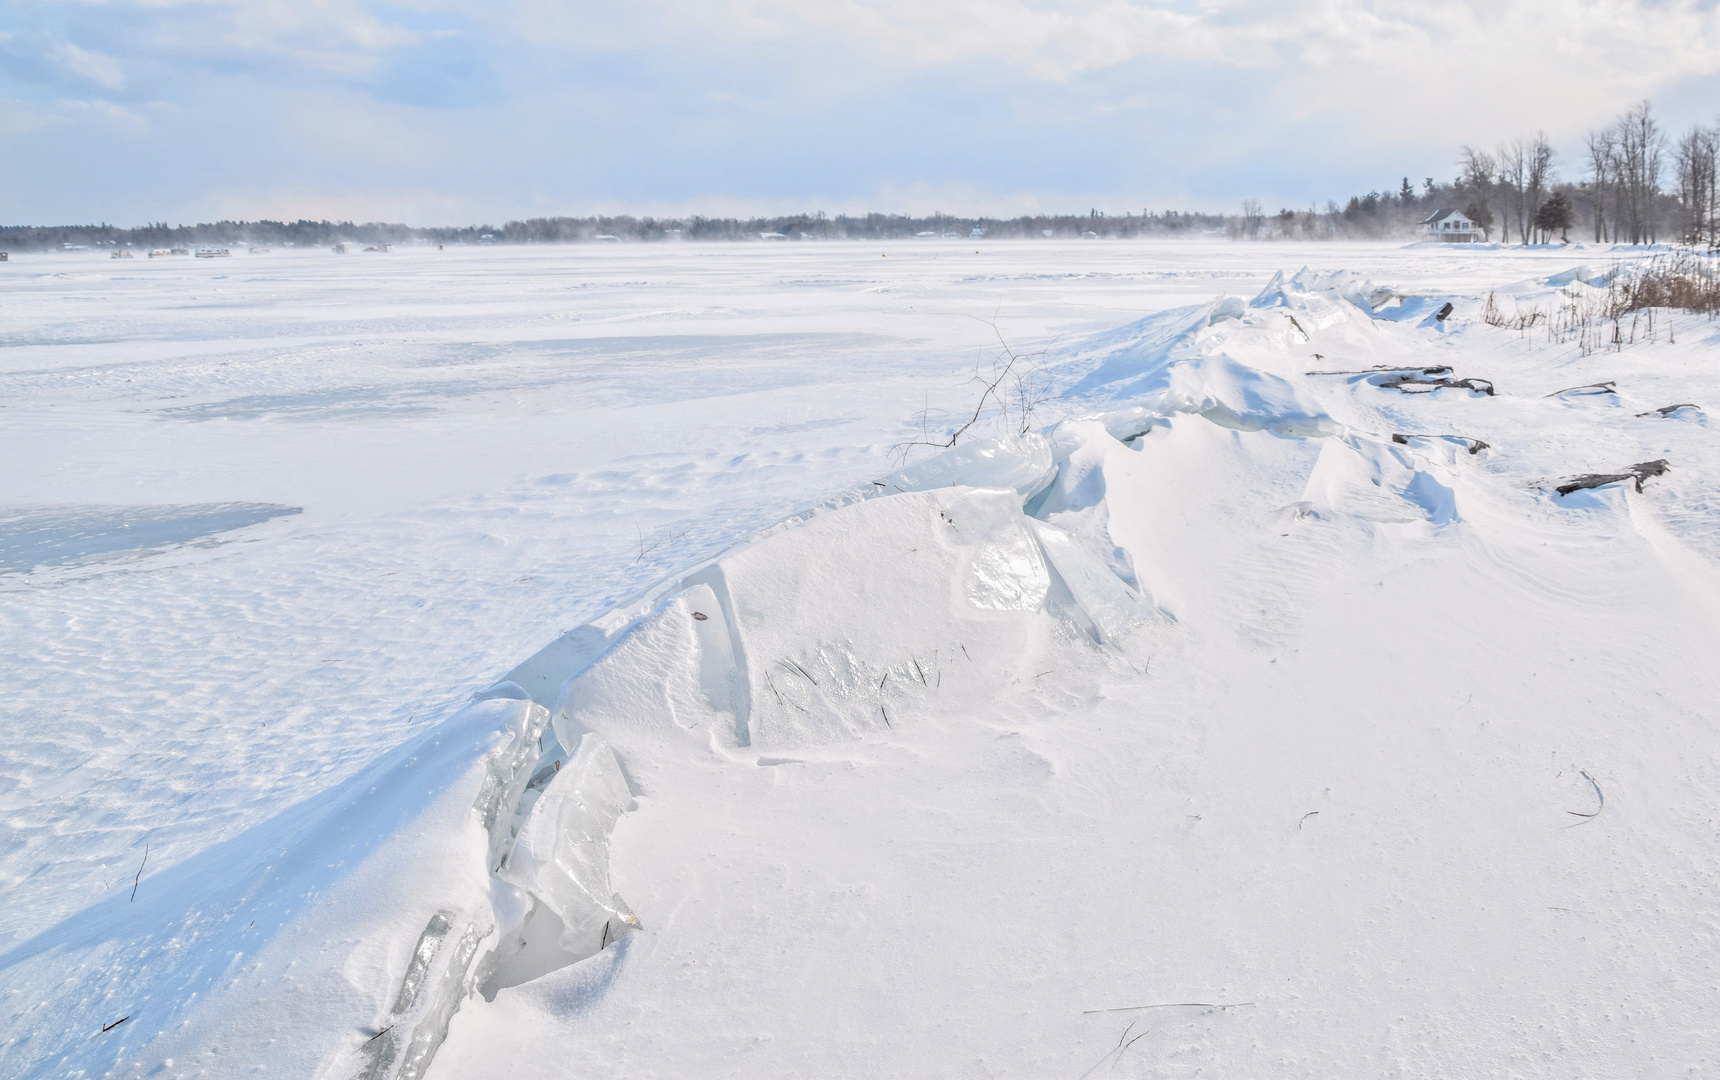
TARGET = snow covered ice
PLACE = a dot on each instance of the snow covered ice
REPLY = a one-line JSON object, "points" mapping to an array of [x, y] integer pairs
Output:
{"points": [[538, 662]]}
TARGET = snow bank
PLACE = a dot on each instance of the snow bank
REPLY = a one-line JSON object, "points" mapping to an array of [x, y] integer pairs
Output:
{"points": [[338, 939], [843, 625], [477, 858]]}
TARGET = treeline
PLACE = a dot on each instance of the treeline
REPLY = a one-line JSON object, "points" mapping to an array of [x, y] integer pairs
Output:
{"points": [[1635, 185], [562, 230], [228, 234], [1169, 223]]}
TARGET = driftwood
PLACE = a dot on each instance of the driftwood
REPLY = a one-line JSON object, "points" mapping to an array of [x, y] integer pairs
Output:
{"points": [[1668, 410], [1607, 387], [1413, 382], [1416, 380], [1437, 369], [1475, 446], [1637, 473]]}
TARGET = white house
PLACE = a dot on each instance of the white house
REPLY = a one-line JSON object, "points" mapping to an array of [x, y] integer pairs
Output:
{"points": [[1449, 227]]}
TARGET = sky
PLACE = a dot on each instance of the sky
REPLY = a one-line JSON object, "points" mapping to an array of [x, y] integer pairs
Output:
{"points": [[430, 112]]}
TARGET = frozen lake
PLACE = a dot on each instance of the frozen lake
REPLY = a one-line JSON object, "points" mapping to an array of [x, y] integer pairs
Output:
{"points": [[264, 518], [487, 445]]}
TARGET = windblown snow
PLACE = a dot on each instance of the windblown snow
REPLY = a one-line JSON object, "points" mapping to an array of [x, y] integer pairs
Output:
{"points": [[564, 663]]}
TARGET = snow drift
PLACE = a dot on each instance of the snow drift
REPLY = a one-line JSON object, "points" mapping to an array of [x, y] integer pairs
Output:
{"points": [[476, 859]]}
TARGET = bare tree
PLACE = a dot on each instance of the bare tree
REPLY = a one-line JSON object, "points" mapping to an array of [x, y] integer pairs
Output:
{"points": [[1252, 218], [1478, 171], [1513, 160], [1694, 163], [1602, 145], [1641, 150]]}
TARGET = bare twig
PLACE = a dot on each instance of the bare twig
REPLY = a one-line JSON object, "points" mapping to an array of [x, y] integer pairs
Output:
{"points": [[139, 876], [1172, 1005], [379, 1034], [1125, 1047], [791, 666], [115, 1024], [1008, 388], [1598, 795], [1607, 387], [1305, 817], [1118, 1049]]}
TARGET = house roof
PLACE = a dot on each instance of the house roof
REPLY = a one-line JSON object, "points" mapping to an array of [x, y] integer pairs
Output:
{"points": [[1440, 215]]}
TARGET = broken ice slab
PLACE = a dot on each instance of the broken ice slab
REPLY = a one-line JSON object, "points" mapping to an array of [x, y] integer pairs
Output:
{"points": [[1023, 465]]}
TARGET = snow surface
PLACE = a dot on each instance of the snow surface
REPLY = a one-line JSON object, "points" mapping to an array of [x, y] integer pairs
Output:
{"points": [[537, 662]]}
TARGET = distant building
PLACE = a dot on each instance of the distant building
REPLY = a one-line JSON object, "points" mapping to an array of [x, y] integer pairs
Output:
{"points": [[1449, 227]]}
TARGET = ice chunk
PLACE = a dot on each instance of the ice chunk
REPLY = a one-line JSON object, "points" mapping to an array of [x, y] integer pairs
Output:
{"points": [[507, 769], [1108, 605], [1021, 464], [561, 857], [1181, 366]]}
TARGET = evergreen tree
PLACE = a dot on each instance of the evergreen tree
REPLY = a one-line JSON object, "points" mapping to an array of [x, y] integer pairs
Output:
{"points": [[1556, 214]]}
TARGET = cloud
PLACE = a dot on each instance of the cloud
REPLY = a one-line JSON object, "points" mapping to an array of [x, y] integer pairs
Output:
{"points": [[50, 61], [567, 105], [102, 71]]}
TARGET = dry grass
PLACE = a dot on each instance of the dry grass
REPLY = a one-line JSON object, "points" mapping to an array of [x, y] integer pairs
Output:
{"points": [[1626, 312]]}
